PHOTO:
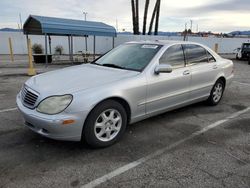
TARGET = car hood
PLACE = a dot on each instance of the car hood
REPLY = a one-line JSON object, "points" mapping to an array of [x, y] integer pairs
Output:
{"points": [[76, 78]]}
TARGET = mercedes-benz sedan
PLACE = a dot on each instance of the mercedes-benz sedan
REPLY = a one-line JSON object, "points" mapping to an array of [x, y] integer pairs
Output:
{"points": [[94, 102]]}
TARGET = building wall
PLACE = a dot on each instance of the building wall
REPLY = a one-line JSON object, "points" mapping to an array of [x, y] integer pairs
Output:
{"points": [[103, 44]]}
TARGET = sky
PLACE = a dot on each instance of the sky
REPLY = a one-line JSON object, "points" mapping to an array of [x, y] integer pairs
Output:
{"points": [[206, 15]]}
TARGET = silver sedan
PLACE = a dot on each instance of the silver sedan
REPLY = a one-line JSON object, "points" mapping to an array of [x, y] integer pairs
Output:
{"points": [[94, 102]]}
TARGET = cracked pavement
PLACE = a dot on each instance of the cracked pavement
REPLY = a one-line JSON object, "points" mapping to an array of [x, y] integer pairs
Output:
{"points": [[219, 157]]}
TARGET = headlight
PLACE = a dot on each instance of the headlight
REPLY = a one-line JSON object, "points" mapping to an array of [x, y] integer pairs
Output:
{"points": [[54, 104]]}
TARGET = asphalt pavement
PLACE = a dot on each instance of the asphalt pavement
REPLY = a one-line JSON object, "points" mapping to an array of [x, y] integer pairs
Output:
{"points": [[195, 146]]}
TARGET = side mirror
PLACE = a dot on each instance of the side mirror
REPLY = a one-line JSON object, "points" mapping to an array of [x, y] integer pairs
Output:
{"points": [[163, 68]]}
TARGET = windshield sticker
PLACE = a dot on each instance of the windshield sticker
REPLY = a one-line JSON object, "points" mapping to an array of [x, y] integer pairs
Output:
{"points": [[149, 46]]}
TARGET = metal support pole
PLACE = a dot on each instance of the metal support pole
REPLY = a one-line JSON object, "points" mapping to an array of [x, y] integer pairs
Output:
{"points": [[94, 47], [86, 43], [11, 50], [113, 42], [46, 51], [50, 46], [27, 40], [69, 47]]}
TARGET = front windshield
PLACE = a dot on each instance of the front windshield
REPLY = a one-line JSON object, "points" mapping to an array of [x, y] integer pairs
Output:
{"points": [[129, 56]]}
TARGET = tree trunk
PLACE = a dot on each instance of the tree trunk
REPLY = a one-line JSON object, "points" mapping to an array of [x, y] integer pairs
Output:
{"points": [[157, 17], [133, 15], [137, 17], [152, 18], [145, 17]]}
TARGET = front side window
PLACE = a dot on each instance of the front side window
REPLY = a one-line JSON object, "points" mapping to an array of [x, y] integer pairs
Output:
{"points": [[173, 56], [195, 54], [130, 56]]}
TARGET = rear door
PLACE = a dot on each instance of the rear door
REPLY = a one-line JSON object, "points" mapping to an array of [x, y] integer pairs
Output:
{"points": [[204, 70]]}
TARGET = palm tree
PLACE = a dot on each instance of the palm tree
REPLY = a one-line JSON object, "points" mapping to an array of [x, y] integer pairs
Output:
{"points": [[133, 14], [145, 17], [157, 17], [137, 17], [153, 17]]}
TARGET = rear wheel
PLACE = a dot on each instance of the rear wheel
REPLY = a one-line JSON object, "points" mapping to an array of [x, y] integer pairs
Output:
{"points": [[216, 93], [105, 125]]}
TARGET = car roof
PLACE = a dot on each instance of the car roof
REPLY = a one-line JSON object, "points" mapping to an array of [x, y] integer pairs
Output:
{"points": [[172, 42], [162, 42]]}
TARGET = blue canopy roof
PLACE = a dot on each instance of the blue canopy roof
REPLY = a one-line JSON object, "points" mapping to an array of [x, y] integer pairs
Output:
{"points": [[39, 25]]}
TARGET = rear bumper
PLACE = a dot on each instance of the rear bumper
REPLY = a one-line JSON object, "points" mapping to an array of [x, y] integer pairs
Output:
{"points": [[229, 80], [51, 125], [245, 55]]}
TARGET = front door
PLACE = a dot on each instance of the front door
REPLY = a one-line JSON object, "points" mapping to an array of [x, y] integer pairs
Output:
{"points": [[166, 90]]}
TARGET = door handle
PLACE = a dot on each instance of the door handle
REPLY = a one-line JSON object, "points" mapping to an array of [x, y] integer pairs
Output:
{"points": [[186, 72], [215, 67]]}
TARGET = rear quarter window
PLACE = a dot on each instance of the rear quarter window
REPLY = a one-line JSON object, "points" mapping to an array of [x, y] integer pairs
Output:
{"points": [[210, 57]]}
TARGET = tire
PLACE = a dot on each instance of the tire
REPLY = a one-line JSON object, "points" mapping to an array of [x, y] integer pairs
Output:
{"points": [[105, 124], [216, 93]]}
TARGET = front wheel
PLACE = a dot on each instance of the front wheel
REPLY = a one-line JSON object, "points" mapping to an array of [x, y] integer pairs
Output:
{"points": [[105, 124], [216, 93]]}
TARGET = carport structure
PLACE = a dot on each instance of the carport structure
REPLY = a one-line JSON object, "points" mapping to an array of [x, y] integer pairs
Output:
{"points": [[48, 26]]}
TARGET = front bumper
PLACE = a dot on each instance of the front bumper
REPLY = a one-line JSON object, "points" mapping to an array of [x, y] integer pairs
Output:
{"points": [[51, 125]]}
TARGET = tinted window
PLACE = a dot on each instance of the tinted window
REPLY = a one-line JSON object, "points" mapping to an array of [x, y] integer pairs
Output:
{"points": [[130, 56], [246, 46], [173, 56], [195, 54], [210, 57]]}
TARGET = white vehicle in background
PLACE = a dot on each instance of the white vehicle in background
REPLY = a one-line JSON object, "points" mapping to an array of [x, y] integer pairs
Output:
{"points": [[132, 82]]}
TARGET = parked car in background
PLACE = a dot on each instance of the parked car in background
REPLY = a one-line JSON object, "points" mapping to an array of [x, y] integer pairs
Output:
{"points": [[243, 53], [94, 102]]}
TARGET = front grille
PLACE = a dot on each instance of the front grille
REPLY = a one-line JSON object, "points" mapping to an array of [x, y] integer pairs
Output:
{"points": [[29, 98]]}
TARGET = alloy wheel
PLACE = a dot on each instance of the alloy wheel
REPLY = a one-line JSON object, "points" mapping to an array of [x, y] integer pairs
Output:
{"points": [[107, 125], [217, 92]]}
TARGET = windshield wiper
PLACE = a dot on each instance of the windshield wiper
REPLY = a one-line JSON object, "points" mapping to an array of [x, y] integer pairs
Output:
{"points": [[112, 65], [95, 63]]}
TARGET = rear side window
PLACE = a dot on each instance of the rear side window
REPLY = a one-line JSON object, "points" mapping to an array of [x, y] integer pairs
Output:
{"points": [[195, 54], [173, 56]]}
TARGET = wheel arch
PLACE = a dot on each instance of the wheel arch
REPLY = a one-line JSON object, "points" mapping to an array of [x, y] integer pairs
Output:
{"points": [[223, 79], [120, 100]]}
